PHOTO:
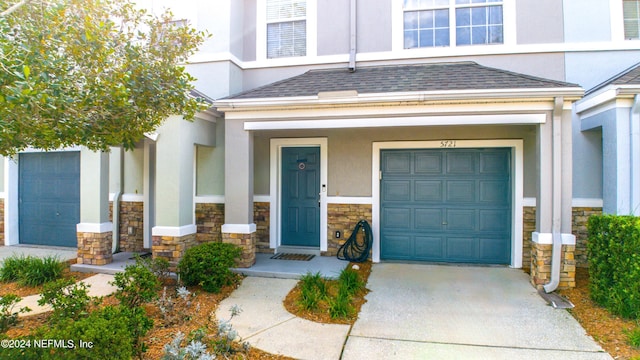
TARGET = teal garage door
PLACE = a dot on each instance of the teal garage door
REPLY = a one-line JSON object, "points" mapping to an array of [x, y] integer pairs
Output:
{"points": [[450, 205], [49, 206]]}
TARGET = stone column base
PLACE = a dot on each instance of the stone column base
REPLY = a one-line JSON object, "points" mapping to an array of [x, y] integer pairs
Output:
{"points": [[95, 248], [541, 252], [243, 236], [172, 248]]}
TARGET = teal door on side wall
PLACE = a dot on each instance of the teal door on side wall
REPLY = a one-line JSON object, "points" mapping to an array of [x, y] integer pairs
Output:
{"points": [[450, 205], [49, 198], [300, 225]]}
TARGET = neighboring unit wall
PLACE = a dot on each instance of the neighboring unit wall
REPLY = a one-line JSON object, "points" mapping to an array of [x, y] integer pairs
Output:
{"points": [[528, 227], [580, 217]]}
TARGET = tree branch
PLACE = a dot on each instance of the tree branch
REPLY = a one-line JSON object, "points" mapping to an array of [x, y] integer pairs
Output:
{"points": [[13, 8]]}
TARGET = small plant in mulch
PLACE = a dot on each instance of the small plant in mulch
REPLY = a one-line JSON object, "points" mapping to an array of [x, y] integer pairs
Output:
{"points": [[8, 314], [319, 299], [633, 337]]}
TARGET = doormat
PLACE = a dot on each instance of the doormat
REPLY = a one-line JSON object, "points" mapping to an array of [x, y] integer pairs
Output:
{"points": [[142, 256], [298, 257]]}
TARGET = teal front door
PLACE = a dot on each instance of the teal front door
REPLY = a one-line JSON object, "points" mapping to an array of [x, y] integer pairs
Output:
{"points": [[300, 191], [446, 205]]}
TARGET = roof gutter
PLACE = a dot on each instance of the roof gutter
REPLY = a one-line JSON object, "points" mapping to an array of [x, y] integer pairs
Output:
{"points": [[573, 93]]}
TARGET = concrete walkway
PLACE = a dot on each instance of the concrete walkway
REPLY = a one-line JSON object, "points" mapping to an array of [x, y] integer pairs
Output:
{"points": [[418, 312], [98, 286]]}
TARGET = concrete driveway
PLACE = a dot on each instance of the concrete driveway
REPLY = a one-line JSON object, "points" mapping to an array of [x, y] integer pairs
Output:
{"points": [[459, 312], [64, 253]]}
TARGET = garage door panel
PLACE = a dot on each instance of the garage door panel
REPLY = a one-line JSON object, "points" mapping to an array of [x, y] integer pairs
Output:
{"points": [[461, 191], [462, 248], [397, 218], [446, 205], [429, 247], [397, 163], [429, 190], [461, 163], [428, 164], [461, 219], [397, 246], [428, 219], [398, 190], [494, 249], [495, 220], [49, 193], [494, 163], [494, 191]]}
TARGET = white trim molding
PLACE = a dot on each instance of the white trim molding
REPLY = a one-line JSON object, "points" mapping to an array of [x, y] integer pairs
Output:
{"points": [[208, 199], [175, 231], [96, 228], [359, 200], [275, 169], [517, 146], [2, 195], [128, 197], [585, 202], [547, 238], [239, 228]]}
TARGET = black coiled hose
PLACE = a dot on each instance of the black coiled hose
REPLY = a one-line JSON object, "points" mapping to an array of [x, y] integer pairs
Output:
{"points": [[356, 250]]}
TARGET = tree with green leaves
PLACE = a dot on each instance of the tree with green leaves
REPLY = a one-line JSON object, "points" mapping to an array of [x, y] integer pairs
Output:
{"points": [[95, 73]]}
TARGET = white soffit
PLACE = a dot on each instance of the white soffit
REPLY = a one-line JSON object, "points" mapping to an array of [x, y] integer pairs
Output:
{"points": [[495, 119]]}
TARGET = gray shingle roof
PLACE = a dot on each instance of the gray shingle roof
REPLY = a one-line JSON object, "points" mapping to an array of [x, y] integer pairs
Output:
{"points": [[401, 78], [630, 76]]}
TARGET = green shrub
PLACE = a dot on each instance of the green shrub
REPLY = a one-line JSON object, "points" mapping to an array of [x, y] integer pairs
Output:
{"points": [[633, 337], [208, 265], [350, 280], [68, 299], [136, 285], [12, 266], [30, 270], [8, 316], [313, 289], [340, 305], [614, 263]]}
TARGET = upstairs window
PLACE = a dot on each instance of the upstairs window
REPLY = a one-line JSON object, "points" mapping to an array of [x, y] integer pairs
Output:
{"points": [[631, 10], [431, 23], [286, 28]]}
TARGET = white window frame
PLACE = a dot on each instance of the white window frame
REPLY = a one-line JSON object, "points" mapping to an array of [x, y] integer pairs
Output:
{"points": [[397, 24], [261, 33], [617, 14]]}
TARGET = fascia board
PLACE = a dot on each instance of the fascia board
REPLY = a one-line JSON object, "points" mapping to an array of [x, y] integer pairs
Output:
{"points": [[573, 93], [605, 96]]}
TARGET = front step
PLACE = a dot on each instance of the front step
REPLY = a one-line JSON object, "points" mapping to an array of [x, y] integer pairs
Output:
{"points": [[298, 250]]}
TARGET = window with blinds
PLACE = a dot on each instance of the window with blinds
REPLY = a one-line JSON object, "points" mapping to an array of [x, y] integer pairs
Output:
{"points": [[631, 9], [286, 28]]}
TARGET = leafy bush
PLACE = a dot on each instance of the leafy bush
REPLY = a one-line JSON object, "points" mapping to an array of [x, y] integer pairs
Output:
{"points": [[30, 270], [350, 280], [614, 263], [8, 317], [136, 285], [208, 265], [67, 298]]}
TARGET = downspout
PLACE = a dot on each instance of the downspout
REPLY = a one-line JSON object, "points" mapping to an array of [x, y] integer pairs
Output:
{"points": [[353, 38], [115, 244], [556, 195], [635, 155]]}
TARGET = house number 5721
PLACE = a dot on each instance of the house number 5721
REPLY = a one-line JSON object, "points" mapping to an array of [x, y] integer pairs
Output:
{"points": [[447, 143]]}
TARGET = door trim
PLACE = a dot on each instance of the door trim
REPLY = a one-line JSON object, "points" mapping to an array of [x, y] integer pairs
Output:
{"points": [[517, 192], [275, 186]]}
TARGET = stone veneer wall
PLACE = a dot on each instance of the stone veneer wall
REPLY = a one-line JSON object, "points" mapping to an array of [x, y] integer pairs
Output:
{"points": [[541, 265], [209, 220], [1, 222], [528, 227], [580, 216], [172, 248], [262, 220], [247, 242], [94, 248], [131, 216], [343, 218], [210, 217]]}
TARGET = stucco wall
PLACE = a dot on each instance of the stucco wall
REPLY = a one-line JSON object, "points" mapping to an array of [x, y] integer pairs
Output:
{"points": [[210, 165], [350, 152], [2, 189], [539, 21], [587, 20]]}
